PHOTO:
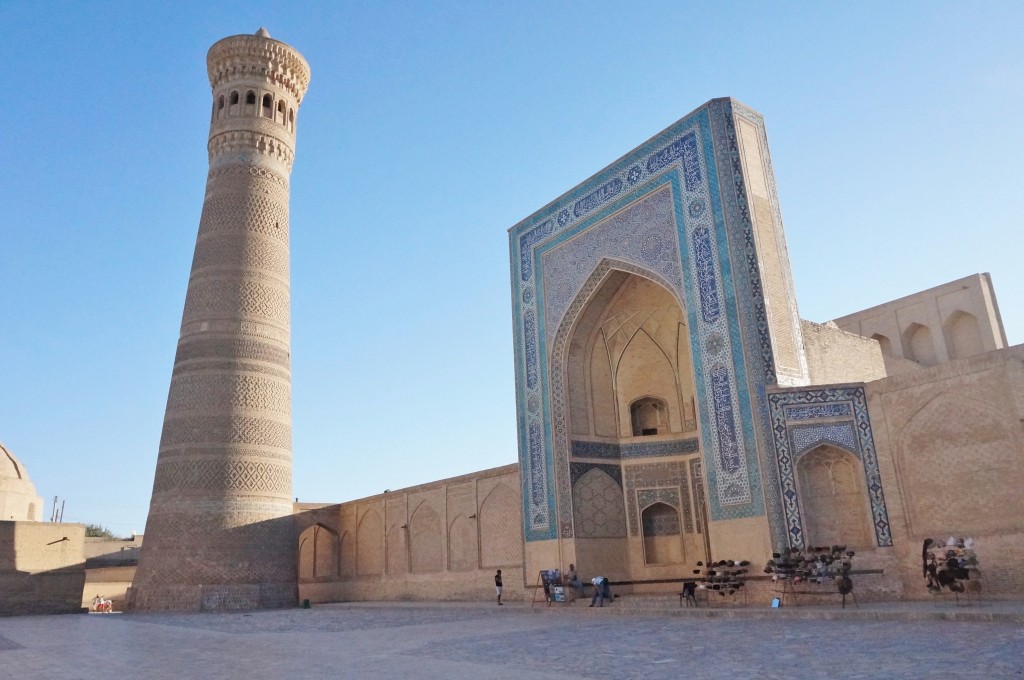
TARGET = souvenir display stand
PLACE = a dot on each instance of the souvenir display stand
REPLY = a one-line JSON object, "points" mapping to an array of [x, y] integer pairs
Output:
{"points": [[795, 572], [951, 566], [725, 578]]}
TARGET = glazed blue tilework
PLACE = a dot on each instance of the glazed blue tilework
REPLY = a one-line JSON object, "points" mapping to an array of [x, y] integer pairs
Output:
{"points": [[591, 201], [669, 187], [759, 357], [582, 449], [843, 421], [585, 449], [707, 286], [643, 234]]}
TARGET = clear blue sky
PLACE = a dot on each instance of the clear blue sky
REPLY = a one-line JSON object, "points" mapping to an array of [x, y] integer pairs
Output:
{"points": [[429, 129]]}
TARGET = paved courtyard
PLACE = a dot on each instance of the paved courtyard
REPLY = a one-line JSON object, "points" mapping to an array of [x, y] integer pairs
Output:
{"points": [[480, 643]]}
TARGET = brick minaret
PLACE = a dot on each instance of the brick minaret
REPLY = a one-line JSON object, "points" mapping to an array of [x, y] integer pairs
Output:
{"points": [[219, 534]]}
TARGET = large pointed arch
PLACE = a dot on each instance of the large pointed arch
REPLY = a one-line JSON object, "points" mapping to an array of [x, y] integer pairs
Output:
{"points": [[953, 430], [500, 538], [426, 549], [370, 544], [462, 554], [318, 553], [834, 502], [598, 289]]}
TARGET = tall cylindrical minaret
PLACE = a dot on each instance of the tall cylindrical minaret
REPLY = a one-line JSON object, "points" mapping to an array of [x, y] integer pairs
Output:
{"points": [[219, 535]]}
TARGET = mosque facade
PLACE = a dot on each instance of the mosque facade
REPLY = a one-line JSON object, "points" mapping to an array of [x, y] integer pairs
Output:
{"points": [[674, 409]]}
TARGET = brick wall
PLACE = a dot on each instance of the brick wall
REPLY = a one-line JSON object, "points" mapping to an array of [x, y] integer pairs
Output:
{"points": [[41, 567], [836, 356], [438, 541], [950, 444]]}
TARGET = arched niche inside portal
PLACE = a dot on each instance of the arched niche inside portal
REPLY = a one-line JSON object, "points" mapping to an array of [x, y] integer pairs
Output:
{"points": [[662, 534], [833, 498], [630, 342]]}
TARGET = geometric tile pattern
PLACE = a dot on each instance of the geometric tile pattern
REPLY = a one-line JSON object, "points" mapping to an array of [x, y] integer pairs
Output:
{"points": [[577, 470], [598, 506], [679, 169], [844, 422], [809, 436]]}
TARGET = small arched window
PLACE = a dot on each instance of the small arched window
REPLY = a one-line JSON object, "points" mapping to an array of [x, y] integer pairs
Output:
{"points": [[250, 98], [649, 416], [281, 112], [234, 98], [291, 119], [268, 106], [220, 103]]}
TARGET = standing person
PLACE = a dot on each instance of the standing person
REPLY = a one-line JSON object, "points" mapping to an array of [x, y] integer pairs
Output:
{"points": [[573, 579], [497, 585]]}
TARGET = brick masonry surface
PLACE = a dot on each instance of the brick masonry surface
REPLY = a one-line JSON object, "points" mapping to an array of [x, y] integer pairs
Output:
{"points": [[477, 641]]}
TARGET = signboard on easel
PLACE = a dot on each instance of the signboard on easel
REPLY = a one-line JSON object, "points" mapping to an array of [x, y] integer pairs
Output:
{"points": [[549, 581]]}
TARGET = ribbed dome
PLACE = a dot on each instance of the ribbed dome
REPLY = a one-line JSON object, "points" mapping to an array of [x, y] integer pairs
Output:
{"points": [[18, 499], [9, 465]]}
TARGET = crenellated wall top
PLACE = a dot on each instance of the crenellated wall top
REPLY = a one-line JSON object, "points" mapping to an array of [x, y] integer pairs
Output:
{"points": [[258, 57]]}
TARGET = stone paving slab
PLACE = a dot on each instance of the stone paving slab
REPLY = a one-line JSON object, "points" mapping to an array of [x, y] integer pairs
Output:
{"points": [[482, 642]]}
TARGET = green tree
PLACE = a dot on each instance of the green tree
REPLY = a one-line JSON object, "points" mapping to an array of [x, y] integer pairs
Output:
{"points": [[98, 531]]}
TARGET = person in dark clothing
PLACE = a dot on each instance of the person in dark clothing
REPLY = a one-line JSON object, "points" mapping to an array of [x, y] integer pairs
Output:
{"points": [[602, 591], [497, 585]]}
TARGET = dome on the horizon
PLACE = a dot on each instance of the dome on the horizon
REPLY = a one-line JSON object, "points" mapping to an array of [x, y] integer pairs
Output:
{"points": [[18, 498]]}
